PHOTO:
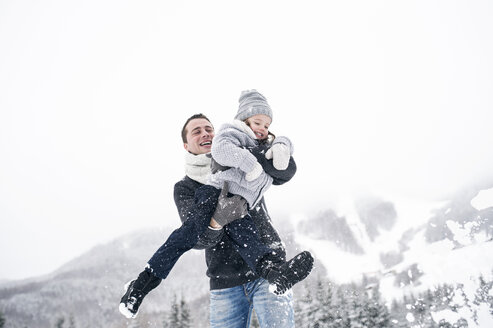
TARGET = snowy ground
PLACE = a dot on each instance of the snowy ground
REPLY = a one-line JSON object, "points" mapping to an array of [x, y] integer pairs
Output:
{"points": [[483, 200]]}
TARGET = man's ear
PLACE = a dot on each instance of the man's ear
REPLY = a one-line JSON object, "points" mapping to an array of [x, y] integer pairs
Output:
{"points": [[185, 145]]}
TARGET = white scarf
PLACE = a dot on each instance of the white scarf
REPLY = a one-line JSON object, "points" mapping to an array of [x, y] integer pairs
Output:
{"points": [[198, 167]]}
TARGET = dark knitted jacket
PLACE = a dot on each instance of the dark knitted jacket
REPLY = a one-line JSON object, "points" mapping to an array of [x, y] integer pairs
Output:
{"points": [[225, 267]]}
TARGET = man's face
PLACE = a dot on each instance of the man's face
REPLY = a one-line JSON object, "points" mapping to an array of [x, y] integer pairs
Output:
{"points": [[199, 136]]}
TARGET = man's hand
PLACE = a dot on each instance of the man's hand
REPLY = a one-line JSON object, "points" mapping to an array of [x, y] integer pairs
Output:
{"points": [[229, 209], [280, 155]]}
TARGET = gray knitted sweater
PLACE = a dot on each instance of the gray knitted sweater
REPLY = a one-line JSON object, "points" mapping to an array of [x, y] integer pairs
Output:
{"points": [[230, 148]]}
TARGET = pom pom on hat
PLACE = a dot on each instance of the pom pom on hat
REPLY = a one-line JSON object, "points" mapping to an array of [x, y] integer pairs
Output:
{"points": [[252, 103]]}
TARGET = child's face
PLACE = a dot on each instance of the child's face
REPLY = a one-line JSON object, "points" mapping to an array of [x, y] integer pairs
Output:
{"points": [[260, 125]]}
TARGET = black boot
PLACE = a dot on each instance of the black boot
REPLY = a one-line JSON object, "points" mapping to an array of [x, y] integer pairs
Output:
{"points": [[135, 291], [284, 275]]}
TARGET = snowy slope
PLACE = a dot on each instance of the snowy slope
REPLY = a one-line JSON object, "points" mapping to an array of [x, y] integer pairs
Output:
{"points": [[88, 288], [351, 267], [483, 200], [461, 258]]}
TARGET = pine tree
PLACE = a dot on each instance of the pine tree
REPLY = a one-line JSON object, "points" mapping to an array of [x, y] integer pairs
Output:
{"points": [[428, 298], [60, 322], [185, 319], [461, 323], [317, 307], [342, 319], [377, 314], [358, 311], [422, 313], [467, 304], [328, 311], [178, 316], [165, 322], [398, 313], [298, 314], [444, 324], [483, 293], [310, 310], [71, 322], [443, 295], [303, 309], [2, 320], [174, 315]]}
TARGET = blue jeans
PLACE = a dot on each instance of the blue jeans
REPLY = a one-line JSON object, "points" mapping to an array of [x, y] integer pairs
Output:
{"points": [[232, 307]]}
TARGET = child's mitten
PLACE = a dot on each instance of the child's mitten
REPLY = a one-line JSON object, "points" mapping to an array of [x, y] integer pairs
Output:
{"points": [[255, 173], [280, 155]]}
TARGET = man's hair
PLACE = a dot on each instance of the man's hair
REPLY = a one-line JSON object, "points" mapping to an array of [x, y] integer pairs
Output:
{"points": [[193, 117]]}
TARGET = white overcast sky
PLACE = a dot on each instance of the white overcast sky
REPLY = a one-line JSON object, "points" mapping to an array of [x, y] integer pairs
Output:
{"points": [[381, 96]]}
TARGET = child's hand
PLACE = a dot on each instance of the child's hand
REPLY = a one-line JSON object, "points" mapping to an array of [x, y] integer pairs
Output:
{"points": [[255, 173], [280, 155]]}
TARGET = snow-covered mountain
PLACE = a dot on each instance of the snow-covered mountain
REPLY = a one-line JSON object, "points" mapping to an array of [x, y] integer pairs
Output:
{"points": [[88, 289], [407, 246]]}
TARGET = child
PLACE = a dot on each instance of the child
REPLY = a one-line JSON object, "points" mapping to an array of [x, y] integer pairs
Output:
{"points": [[240, 154]]}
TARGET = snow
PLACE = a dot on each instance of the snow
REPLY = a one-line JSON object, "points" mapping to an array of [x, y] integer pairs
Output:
{"points": [[352, 267], [411, 214], [458, 261], [447, 315], [440, 262], [483, 200], [485, 319], [342, 267], [125, 312], [463, 233], [483, 316]]}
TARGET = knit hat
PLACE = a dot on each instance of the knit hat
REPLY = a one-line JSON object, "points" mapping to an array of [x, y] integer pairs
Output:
{"points": [[252, 103]]}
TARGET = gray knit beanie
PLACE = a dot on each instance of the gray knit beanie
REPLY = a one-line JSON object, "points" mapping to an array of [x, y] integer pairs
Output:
{"points": [[252, 103]]}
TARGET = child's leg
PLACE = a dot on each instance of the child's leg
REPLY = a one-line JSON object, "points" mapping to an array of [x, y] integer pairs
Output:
{"points": [[181, 240], [185, 237], [263, 260], [135, 291]]}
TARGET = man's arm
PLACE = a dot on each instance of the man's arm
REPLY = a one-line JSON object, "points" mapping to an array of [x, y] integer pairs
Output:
{"points": [[279, 176], [184, 201]]}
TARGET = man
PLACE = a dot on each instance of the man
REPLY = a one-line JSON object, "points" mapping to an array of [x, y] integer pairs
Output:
{"points": [[235, 289]]}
